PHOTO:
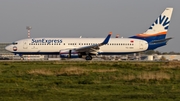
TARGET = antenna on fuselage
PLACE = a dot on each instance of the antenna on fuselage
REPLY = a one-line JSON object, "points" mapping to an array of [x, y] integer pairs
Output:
{"points": [[29, 31]]}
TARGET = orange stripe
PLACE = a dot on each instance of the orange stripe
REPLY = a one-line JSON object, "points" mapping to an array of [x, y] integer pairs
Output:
{"points": [[149, 35]]}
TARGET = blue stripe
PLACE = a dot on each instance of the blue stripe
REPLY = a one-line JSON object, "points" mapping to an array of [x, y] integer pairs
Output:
{"points": [[114, 53], [154, 46], [151, 38], [161, 19], [37, 53], [166, 22], [57, 53]]}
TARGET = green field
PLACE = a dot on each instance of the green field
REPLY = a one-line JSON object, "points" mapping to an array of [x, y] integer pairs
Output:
{"points": [[89, 81]]}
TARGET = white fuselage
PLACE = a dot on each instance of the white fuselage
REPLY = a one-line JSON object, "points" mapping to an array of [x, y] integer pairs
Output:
{"points": [[54, 45]]}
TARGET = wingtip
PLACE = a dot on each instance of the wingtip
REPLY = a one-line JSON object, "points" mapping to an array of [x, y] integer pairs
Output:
{"points": [[110, 33]]}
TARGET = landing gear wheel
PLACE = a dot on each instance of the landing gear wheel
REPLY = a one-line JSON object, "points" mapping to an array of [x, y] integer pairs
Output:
{"points": [[22, 58], [88, 57]]}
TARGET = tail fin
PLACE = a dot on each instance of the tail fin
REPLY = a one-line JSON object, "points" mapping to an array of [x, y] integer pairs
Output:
{"points": [[158, 30]]}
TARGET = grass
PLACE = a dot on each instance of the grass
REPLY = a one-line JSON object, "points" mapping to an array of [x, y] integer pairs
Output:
{"points": [[89, 80]]}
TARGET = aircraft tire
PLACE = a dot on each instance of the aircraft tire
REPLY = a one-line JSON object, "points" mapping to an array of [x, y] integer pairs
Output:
{"points": [[88, 57]]}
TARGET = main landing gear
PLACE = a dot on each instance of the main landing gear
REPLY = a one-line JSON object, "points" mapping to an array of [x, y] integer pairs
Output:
{"points": [[88, 57], [21, 57]]}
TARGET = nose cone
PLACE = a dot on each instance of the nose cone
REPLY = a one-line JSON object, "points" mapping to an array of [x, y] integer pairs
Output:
{"points": [[8, 48]]}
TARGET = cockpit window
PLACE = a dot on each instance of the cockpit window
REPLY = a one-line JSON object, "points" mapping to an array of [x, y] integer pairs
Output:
{"points": [[14, 43]]}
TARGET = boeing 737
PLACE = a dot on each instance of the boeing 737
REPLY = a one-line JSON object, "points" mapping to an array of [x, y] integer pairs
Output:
{"points": [[153, 38]]}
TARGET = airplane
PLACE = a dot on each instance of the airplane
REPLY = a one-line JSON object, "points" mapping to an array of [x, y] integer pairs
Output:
{"points": [[153, 38]]}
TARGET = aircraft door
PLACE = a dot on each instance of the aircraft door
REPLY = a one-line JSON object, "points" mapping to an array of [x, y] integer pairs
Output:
{"points": [[140, 44], [25, 45]]}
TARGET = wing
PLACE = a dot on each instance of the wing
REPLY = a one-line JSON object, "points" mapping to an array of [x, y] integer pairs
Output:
{"points": [[94, 47]]}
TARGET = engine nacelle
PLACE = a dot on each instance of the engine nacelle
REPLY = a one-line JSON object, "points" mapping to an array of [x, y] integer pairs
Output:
{"points": [[69, 54]]}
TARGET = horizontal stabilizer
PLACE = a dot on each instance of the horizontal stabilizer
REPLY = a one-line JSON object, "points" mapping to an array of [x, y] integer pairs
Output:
{"points": [[160, 41]]}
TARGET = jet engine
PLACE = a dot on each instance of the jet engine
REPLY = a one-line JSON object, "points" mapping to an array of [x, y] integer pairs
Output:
{"points": [[69, 54]]}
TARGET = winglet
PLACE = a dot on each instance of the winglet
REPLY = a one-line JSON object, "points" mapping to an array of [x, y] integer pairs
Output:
{"points": [[107, 38]]}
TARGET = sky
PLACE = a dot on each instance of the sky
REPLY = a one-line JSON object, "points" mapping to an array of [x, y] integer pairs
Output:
{"points": [[86, 18]]}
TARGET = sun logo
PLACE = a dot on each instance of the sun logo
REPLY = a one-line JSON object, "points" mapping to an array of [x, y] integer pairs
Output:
{"points": [[162, 23]]}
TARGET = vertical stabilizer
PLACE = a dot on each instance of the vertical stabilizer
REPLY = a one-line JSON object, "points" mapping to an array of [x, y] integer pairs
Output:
{"points": [[160, 26]]}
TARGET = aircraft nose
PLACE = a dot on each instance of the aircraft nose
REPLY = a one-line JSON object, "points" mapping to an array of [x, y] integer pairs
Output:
{"points": [[8, 48]]}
